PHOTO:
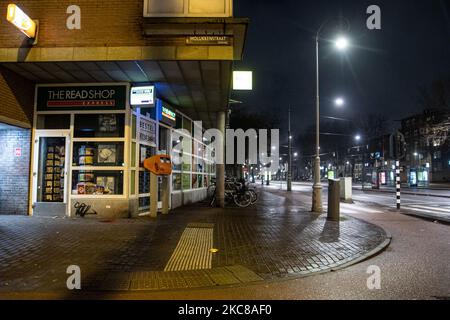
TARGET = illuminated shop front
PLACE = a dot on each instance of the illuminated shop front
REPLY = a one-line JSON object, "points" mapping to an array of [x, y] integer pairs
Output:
{"points": [[90, 144]]}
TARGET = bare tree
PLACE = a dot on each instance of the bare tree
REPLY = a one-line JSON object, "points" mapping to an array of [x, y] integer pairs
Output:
{"points": [[437, 96]]}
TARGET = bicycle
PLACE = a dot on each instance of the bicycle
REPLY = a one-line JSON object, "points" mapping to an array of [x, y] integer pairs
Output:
{"points": [[234, 192]]}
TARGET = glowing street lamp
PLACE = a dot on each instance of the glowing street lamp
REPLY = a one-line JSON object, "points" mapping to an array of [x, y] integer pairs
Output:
{"points": [[21, 21], [341, 43], [339, 102]]}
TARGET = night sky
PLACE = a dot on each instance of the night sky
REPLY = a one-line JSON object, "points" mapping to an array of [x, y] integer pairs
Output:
{"points": [[380, 73]]}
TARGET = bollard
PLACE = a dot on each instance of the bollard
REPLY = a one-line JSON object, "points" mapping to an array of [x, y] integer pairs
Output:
{"points": [[334, 201], [346, 190]]}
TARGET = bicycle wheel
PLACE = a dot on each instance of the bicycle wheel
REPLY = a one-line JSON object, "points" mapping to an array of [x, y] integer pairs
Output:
{"points": [[212, 202], [243, 199], [211, 191], [254, 196]]}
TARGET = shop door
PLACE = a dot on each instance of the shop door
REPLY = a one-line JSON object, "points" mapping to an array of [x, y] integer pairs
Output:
{"points": [[50, 173]]}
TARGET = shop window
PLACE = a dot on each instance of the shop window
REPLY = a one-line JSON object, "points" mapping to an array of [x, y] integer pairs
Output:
{"points": [[53, 122], [187, 125], [164, 136], [144, 203], [200, 178], [186, 181], [179, 122], [133, 126], [145, 152], [97, 182], [99, 126], [51, 169], [176, 167], [144, 182], [176, 181], [109, 154], [194, 181], [133, 182], [133, 155]]}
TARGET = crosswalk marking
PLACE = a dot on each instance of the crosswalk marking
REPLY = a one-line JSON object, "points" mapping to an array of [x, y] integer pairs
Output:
{"points": [[428, 208], [352, 208], [435, 213]]}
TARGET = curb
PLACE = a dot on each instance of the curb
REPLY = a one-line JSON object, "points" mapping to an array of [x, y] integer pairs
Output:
{"points": [[426, 217], [380, 248]]}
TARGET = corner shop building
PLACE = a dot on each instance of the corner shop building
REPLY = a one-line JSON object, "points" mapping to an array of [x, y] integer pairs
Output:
{"points": [[68, 134]]}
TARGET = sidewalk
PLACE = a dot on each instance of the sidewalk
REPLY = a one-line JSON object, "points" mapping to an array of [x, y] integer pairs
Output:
{"points": [[274, 240]]}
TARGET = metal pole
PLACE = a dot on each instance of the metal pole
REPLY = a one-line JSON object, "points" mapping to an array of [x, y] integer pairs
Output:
{"points": [[317, 187], [398, 182], [289, 173], [363, 166], [220, 168]]}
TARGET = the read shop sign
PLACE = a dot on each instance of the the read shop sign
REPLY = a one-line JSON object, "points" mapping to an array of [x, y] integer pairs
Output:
{"points": [[84, 97]]}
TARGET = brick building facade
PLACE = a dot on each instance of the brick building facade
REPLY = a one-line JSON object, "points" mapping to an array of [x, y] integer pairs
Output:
{"points": [[14, 168], [133, 42]]}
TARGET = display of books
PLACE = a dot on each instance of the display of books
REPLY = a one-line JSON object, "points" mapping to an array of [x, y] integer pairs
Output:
{"points": [[86, 188], [108, 183], [107, 123], [53, 181], [106, 154]]}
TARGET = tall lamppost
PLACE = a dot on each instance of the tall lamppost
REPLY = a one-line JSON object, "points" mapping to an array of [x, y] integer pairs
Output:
{"points": [[341, 44]]}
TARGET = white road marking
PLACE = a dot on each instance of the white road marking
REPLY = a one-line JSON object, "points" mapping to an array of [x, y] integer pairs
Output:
{"points": [[431, 209]]}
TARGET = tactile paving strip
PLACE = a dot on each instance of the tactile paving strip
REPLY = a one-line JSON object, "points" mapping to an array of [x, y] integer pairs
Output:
{"points": [[192, 251], [159, 280]]}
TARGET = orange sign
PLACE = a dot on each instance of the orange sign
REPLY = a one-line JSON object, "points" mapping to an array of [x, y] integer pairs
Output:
{"points": [[24, 23], [160, 165]]}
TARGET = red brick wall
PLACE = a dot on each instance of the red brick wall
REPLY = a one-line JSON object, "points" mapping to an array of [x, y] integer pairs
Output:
{"points": [[103, 23], [16, 98]]}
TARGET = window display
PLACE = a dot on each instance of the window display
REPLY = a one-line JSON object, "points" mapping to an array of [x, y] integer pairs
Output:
{"points": [[97, 182], [107, 123], [99, 126], [98, 154], [52, 163], [176, 180], [106, 154], [144, 182]]}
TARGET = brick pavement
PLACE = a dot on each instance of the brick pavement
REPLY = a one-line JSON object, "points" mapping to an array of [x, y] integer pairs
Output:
{"points": [[276, 239]]}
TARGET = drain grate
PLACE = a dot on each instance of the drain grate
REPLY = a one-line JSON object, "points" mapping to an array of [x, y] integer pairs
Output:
{"points": [[193, 250]]}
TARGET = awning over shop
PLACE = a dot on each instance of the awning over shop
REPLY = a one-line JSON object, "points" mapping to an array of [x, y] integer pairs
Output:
{"points": [[198, 88]]}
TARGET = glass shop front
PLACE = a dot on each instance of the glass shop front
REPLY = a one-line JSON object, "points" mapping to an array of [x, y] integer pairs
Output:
{"points": [[89, 148]]}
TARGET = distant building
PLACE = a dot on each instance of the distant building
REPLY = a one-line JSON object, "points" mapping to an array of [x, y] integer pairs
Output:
{"points": [[427, 137]]}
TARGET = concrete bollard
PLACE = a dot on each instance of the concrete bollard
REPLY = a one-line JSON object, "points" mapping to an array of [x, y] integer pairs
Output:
{"points": [[346, 190], [334, 200]]}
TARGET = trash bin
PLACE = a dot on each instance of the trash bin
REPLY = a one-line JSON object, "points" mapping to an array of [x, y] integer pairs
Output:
{"points": [[334, 200]]}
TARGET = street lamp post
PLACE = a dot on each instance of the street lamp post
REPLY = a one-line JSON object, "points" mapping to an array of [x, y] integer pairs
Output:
{"points": [[317, 206], [289, 173]]}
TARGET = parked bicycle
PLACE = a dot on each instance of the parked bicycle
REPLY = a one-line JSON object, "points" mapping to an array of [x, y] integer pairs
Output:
{"points": [[236, 192]]}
